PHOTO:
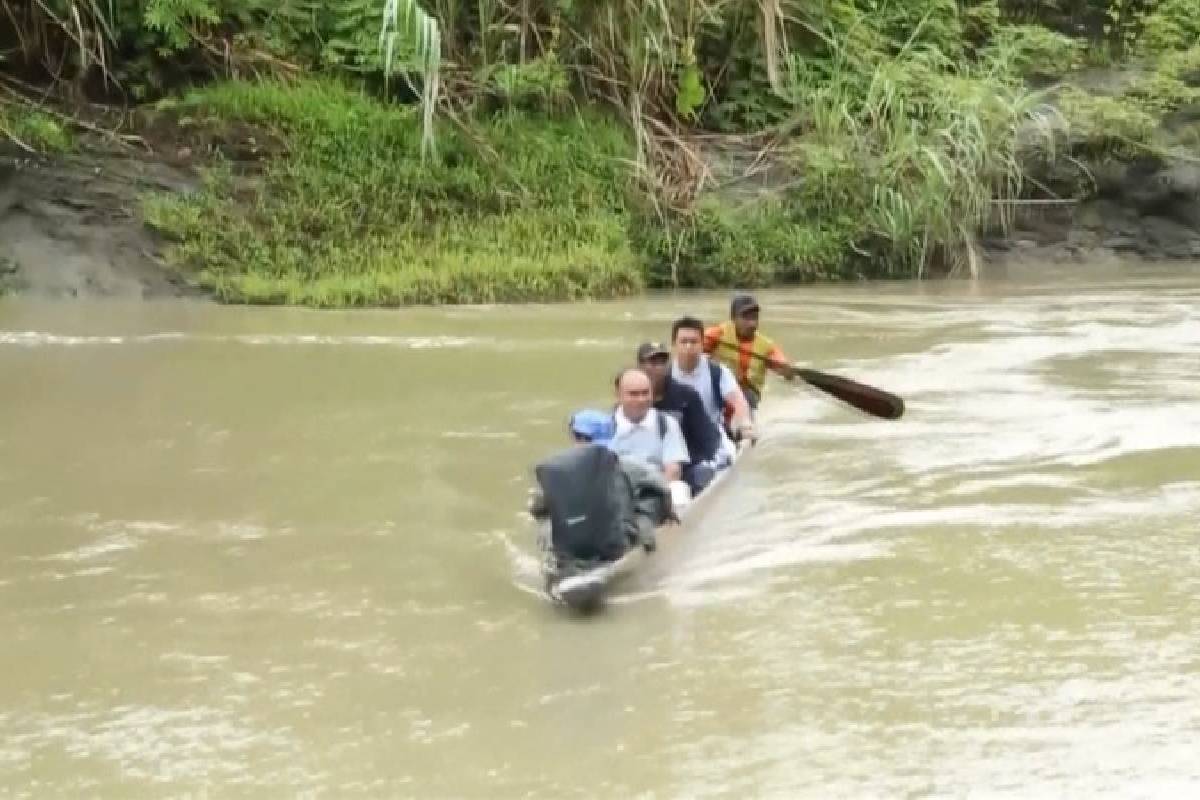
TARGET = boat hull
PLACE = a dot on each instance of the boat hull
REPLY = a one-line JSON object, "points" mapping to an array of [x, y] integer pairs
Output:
{"points": [[583, 586]]}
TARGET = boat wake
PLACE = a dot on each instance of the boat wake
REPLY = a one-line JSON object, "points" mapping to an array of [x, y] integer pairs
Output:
{"points": [[1028, 428]]}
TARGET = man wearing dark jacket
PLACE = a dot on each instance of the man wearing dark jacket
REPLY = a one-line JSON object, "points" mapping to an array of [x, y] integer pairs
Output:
{"points": [[700, 433]]}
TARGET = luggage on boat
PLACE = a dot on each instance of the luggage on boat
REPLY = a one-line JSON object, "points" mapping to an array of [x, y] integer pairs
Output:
{"points": [[582, 489]]}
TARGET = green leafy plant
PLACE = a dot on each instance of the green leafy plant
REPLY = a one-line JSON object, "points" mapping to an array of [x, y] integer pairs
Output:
{"points": [[173, 21], [1034, 51], [405, 21], [538, 84], [1170, 25]]}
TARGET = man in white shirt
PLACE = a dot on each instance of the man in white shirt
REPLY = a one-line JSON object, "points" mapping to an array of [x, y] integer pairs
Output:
{"points": [[714, 382], [647, 435]]}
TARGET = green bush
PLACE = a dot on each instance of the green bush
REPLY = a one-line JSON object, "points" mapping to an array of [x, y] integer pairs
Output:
{"points": [[1125, 123], [534, 209], [1171, 25], [1034, 51], [766, 242], [913, 146], [532, 86], [1101, 124]]}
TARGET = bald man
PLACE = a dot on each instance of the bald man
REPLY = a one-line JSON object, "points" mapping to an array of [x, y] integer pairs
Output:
{"points": [[644, 433]]}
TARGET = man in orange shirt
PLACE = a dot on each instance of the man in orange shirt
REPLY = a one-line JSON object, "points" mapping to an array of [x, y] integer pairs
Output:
{"points": [[738, 345]]}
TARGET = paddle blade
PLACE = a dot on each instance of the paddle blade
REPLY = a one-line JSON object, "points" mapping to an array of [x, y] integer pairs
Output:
{"points": [[876, 402]]}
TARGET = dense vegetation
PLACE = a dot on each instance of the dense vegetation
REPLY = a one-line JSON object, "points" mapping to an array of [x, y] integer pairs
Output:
{"points": [[448, 152]]}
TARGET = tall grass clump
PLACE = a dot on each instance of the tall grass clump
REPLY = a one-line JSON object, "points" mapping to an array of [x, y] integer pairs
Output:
{"points": [[904, 151], [759, 242], [517, 207], [924, 146]]}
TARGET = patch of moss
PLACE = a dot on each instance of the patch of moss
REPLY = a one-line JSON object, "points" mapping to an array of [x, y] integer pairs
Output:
{"points": [[34, 129]]}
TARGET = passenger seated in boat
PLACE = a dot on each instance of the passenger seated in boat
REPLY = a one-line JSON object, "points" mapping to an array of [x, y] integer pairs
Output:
{"points": [[648, 435], [715, 383], [599, 504], [701, 435]]}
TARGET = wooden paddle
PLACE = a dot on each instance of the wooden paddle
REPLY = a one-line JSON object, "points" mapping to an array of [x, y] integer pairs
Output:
{"points": [[876, 402]]}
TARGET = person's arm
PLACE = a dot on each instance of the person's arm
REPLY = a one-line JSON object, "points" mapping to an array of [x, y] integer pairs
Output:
{"points": [[537, 504], [733, 396], [651, 500], [779, 362], [674, 452]]}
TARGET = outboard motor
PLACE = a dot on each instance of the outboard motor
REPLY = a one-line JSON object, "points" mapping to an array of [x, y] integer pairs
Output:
{"points": [[581, 487]]}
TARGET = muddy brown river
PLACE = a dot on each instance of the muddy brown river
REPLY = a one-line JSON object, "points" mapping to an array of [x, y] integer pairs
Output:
{"points": [[262, 552]]}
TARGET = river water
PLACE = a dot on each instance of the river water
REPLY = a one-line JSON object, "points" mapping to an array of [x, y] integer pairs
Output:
{"points": [[278, 553]]}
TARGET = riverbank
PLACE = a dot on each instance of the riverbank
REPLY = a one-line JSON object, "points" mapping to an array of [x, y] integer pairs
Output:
{"points": [[314, 192], [73, 225]]}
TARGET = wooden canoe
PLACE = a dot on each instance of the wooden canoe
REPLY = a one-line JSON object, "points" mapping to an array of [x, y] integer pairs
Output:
{"points": [[586, 590]]}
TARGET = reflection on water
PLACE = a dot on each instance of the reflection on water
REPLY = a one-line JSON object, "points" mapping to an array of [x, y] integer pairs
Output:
{"points": [[273, 552]]}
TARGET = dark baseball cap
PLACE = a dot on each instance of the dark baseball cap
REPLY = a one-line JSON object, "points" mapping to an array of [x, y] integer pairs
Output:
{"points": [[649, 349], [741, 304]]}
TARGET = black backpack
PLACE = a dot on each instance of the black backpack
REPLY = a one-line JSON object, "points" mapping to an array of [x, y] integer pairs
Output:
{"points": [[588, 499]]}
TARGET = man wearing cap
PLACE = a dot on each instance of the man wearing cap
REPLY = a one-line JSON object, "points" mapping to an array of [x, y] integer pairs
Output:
{"points": [[738, 344], [700, 433]]}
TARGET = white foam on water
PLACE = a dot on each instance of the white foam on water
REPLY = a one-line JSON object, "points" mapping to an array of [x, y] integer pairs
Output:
{"points": [[446, 342], [995, 435]]}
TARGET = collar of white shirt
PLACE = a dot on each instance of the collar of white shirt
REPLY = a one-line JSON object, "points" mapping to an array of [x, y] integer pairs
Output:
{"points": [[625, 425], [700, 364]]}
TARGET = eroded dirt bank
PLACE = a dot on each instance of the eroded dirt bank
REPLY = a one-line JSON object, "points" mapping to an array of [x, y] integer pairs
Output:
{"points": [[72, 226], [1148, 208]]}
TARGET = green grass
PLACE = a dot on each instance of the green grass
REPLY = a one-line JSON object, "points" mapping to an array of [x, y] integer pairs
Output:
{"points": [[528, 208], [763, 242], [35, 130], [347, 213]]}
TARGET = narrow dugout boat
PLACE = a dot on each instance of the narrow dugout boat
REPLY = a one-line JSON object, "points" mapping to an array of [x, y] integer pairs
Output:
{"points": [[584, 587]]}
